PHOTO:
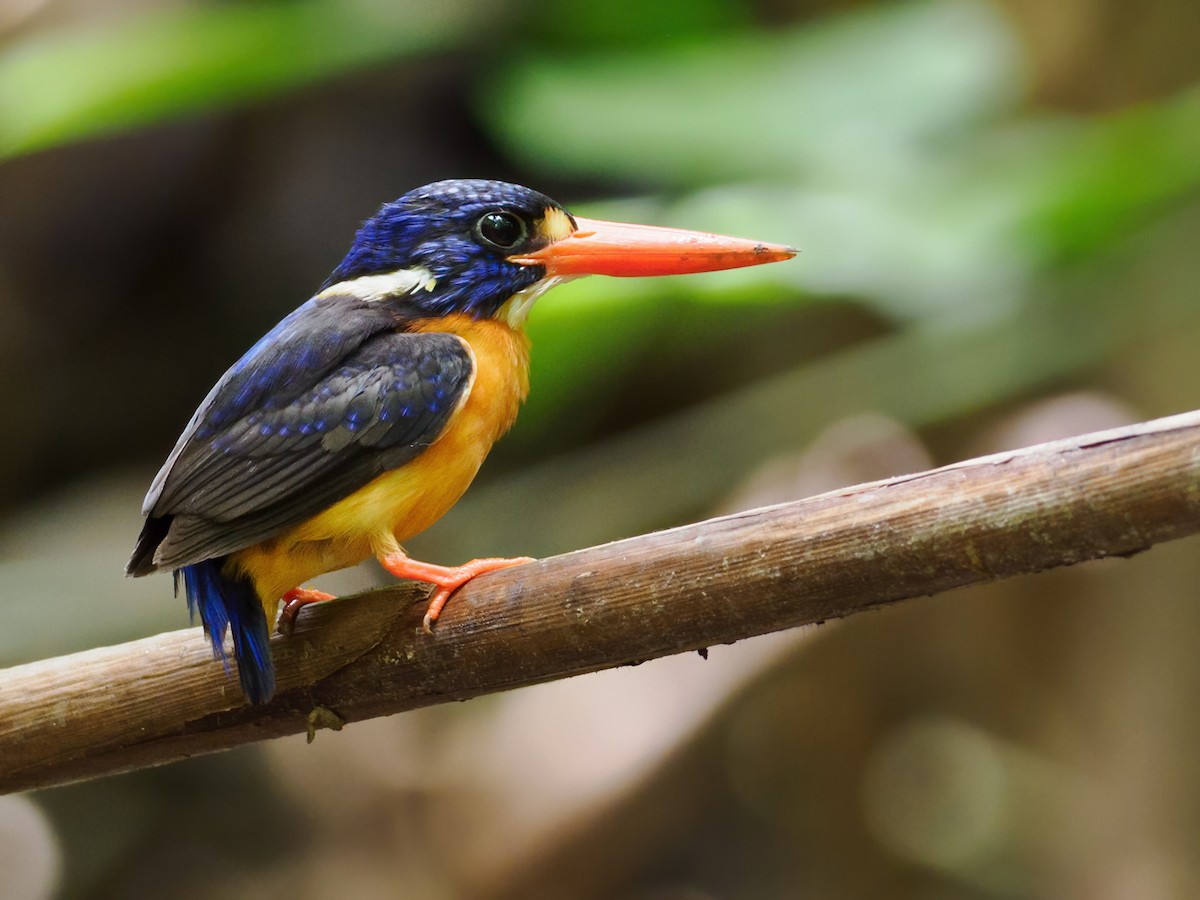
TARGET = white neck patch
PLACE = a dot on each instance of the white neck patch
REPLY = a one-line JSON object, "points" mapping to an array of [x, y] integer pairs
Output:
{"points": [[516, 310], [373, 288]]}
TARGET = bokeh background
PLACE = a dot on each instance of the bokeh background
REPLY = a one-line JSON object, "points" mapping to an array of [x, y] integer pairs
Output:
{"points": [[998, 213]]}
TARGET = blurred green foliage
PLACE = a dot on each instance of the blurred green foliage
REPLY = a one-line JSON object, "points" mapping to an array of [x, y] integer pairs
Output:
{"points": [[63, 86], [928, 194], [963, 249], [798, 103], [894, 145]]}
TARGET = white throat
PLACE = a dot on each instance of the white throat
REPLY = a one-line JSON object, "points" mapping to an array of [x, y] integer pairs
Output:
{"points": [[516, 310]]}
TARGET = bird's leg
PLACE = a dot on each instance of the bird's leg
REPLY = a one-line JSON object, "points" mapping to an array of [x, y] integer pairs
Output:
{"points": [[292, 601], [447, 578]]}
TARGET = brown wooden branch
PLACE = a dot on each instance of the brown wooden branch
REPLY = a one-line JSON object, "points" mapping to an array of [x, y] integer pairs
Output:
{"points": [[164, 698]]}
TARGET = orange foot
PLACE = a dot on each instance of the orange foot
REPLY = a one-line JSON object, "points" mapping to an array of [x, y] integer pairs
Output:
{"points": [[292, 601], [448, 578]]}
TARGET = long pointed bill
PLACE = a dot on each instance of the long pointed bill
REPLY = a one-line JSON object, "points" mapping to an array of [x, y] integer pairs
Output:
{"points": [[614, 248]]}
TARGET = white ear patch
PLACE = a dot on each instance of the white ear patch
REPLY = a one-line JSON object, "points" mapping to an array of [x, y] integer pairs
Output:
{"points": [[372, 288]]}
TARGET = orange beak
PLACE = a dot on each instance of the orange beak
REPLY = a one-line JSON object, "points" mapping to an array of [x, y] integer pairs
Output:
{"points": [[596, 247]]}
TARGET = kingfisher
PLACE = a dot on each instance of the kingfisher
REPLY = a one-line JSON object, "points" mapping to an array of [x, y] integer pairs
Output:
{"points": [[362, 417]]}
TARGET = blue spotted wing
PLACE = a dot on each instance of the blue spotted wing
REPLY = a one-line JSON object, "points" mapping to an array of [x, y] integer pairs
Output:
{"points": [[332, 397]]}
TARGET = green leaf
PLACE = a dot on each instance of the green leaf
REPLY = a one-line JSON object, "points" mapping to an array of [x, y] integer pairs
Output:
{"points": [[1103, 178], [63, 86], [818, 101]]}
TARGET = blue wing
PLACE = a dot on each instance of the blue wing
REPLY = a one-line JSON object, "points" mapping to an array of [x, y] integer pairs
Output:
{"points": [[331, 398]]}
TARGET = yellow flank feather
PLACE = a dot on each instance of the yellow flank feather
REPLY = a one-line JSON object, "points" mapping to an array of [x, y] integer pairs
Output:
{"points": [[406, 501]]}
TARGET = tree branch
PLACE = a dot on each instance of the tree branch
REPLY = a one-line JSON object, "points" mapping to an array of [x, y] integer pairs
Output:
{"points": [[164, 698]]}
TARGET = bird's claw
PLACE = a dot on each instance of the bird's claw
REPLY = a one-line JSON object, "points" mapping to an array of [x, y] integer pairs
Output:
{"points": [[293, 601], [447, 578]]}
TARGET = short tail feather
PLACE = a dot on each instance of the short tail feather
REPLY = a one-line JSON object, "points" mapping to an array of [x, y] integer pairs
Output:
{"points": [[230, 602]]}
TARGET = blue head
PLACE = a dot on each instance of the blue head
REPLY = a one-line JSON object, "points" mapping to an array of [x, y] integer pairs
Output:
{"points": [[470, 246], [456, 240]]}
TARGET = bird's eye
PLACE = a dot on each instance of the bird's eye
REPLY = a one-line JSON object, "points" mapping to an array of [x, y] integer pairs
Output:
{"points": [[502, 230]]}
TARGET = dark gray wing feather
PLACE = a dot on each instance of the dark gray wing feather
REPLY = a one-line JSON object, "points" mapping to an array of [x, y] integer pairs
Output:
{"points": [[292, 429]]}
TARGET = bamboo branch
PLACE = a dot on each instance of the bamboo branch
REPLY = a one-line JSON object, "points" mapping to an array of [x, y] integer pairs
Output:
{"points": [[164, 698]]}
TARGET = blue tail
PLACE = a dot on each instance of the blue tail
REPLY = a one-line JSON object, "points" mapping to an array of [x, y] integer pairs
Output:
{"points": [[224, 602]]}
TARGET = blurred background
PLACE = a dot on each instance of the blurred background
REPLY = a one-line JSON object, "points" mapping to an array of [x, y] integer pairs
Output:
{"points": [[998, 213]]}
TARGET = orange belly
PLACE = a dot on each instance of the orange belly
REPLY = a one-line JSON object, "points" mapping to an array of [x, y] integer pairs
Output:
{"points": [[405, 501]]}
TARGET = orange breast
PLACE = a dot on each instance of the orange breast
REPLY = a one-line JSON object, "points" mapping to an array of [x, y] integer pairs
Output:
{"points": [[404, 502]]}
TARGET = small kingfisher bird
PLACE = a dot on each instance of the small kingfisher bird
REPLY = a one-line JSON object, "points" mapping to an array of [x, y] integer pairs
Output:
{"points": [[362, 417]]}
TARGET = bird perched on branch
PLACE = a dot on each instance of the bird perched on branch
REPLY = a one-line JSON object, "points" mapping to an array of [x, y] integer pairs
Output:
{"points": [[361, 418]]}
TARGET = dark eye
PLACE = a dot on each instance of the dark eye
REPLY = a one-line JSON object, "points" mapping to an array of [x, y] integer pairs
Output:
{"points": [[502, 230]]}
